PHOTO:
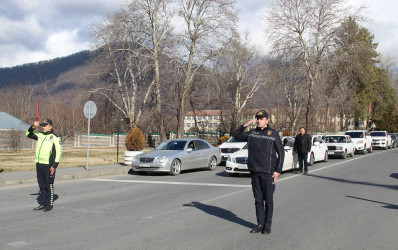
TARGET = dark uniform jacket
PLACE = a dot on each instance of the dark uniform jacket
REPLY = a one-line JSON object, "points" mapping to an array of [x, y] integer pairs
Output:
{"points": [[266, 154], [302, 143]]}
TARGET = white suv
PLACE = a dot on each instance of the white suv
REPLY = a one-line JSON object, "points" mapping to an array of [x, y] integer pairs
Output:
{"points": [[381, 139], [363, 140]]}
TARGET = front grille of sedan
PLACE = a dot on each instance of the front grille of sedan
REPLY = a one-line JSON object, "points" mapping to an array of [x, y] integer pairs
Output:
{"points": [[144, 159], [332, 147], [229, 150], [241, 160]]}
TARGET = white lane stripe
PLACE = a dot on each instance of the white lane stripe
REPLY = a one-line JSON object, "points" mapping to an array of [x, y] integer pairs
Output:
{"points": [[329, 166], [192, 205], [212, 184], [175, 183]]}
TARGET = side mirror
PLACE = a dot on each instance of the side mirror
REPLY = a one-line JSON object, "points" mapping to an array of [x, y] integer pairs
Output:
{"points": [[189, 150], [316, 143]]}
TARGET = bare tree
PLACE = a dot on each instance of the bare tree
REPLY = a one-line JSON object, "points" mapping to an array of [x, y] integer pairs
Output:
{"points": [[240, 74], [290, 84], [123, 66], [208, 26], [304, 29]]}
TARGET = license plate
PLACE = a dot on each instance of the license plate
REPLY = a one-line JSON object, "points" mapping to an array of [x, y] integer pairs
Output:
{"points": [[331, 153], [143, 165], [242, 166]]}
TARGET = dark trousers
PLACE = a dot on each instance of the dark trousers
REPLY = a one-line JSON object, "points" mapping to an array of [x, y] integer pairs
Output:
{"points": [[302, 159], [263, 192], [46, 181]]}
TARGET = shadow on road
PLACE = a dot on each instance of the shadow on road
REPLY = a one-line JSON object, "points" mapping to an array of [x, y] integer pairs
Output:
{"points": [[39, 199], [387, 205], [394, 175], [395, 187], [220, 213]]}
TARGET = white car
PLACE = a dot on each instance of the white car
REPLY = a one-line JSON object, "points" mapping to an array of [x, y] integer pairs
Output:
{"points": [[229, 147], [362, 139], [381, 139], [339, 145], [237, 162], [319, 150]]}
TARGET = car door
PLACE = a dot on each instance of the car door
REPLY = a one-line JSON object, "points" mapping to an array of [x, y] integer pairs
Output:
{"points": [[192, 155], [350, 145], [316, 148], [288, 163], [203, 155]]}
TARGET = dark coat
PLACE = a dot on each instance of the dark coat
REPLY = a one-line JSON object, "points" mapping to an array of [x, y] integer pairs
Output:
{"points": [[302, 143], [265, 150]]}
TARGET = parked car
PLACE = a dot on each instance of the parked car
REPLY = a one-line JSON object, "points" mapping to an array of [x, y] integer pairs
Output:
{"points": [[381, 139], [237, 162], [362, 139], [173, 156], [230, 146], [319, 150], [339, 145], [394, 139]]}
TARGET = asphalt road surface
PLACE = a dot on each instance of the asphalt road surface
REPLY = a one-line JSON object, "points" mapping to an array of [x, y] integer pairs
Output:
{"points": [[341, 204]]}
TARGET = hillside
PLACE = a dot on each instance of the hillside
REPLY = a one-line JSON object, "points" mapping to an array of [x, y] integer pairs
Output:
{"points": [[35, 73]]}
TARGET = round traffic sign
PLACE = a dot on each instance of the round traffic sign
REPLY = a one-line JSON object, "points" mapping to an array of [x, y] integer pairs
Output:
{"points": [[89, 109]]}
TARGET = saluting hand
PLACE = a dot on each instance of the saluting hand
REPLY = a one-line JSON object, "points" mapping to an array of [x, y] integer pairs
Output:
{"points": [[249, 122]]}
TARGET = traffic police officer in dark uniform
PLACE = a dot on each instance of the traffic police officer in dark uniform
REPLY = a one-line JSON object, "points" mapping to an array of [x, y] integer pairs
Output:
{"points": [[48, 155], [265, 161]]}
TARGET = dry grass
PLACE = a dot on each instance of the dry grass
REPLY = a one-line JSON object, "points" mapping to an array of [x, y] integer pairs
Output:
{"points": [[76, 157]]}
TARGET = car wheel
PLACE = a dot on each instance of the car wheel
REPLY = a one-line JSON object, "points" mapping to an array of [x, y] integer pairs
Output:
{"points": [[370, 150], [212, 164], [325, 159], [175, 168], [345, 154], [312, 160]]}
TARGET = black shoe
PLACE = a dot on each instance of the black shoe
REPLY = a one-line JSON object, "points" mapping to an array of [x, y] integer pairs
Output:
{"points": [[306, 172], [257, 229], [47, 208], [39, 208], [266, 230]]}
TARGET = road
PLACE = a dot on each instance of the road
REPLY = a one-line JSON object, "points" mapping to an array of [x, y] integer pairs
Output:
{"points": [[341, 204]]}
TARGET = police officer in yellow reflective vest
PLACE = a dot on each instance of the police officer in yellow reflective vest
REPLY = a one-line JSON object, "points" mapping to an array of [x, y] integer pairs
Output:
{"points": [[48, 155]]}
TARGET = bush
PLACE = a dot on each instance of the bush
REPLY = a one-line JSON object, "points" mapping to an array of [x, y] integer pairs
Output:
{"points": [[286, 133], [135, 140], [223, 139]]}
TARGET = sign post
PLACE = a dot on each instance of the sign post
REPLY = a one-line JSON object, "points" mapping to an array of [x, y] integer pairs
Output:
{"points": [[89, 110]]}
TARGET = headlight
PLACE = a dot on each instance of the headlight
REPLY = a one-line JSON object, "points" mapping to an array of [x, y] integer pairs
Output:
{"points": [[359, 142], [230, 159], [339, 148], [135, 158], [160, 159]]}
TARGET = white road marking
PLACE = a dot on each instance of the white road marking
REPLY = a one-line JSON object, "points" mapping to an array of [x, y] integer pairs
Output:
{"points": [[246, 187], [190, 206], [175, 183]]}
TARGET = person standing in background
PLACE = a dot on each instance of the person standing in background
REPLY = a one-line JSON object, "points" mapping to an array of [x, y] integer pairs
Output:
{"points": [[302, 146]]}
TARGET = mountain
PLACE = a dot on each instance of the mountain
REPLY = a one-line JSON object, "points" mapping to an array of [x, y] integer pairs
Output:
{"points": [[35, 73]]}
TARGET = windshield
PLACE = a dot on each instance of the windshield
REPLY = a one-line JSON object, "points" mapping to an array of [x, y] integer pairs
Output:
{"points": [[378, 133], [171, 145], [335, 139], [355, 134], [231, 139]]}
